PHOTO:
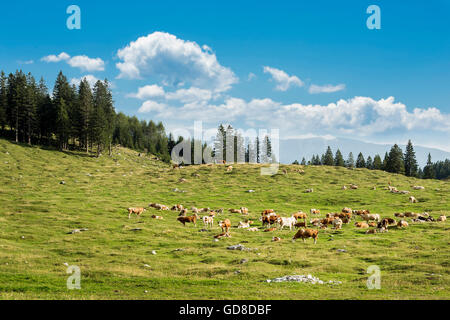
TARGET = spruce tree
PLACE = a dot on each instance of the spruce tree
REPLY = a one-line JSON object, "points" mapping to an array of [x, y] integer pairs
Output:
{"points": [[411, 165], [339, 159], [360, 161], [428, 170], [85, 107], [350, 161], [328, 159], [369, 163], [395, 162], [377, 163]]}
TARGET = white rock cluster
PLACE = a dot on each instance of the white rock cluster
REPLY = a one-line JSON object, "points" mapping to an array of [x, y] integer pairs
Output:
{"points": [[302, 278]]}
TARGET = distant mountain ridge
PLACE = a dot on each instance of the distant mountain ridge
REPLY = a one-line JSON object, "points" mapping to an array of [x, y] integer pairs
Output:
{"points": [[296, 149]]}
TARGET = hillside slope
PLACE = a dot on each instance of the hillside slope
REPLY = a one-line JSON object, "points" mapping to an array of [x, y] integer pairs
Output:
{"points": [[47, 194]]}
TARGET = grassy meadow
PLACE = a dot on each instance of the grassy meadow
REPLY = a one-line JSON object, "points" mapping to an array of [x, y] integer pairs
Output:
{"points": [[38, 213]]}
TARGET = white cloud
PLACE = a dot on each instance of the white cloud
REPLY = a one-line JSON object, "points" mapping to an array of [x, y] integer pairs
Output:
{"points": [[315, 89], [283, 80], [359, 117], [174, 60], [146, 92], [152, 106], [53, 58], [251, 76], [82, 62], [90, 79], [87, 64], [192, 94]]}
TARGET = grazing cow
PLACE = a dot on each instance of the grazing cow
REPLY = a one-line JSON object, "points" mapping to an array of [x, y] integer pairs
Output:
{"points": [[337, 224], [399, 215], [300, 215], [412, 215], [157, 217], [269, 219], [252, 229], [223, 235], [205, 210], [183, 214], [373, 224], [230, 169], [354, 187], [371, 231], [270, 230], [360, 212], [344, 188], [347, 215], [315, 211], [195, 210], [192, 219], [219, 211], [235, 211], [327, 221], [286, 222], [362, 225], [266, 212], [347, 210], [244, 210], [301, 225], [276, 239], [402, 224], [332, 215], [315, 222], [442, 218], [370, 217], [136, 211], [306, 233], [345, 220], [413, 200], [225, 225], [212, 214], [208, 221], [309, 190], [244, 225]]}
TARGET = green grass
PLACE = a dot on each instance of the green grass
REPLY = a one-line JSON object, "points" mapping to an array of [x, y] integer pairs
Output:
{"points": [[37, 213]]}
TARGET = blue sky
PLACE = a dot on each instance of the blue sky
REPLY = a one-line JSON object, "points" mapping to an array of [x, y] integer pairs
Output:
{"points": [[307, 44]]}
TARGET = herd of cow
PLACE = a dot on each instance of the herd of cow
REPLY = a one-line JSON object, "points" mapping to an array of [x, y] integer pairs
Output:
{"points": [[272, 221]]}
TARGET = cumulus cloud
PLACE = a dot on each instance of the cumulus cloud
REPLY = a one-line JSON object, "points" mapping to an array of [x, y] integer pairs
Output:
{"points": [[152, 106], [82, 62], [315, 89], [53, 58], [361, 117], [174, 60], [87, 64], [147, 92], [283, 80]]}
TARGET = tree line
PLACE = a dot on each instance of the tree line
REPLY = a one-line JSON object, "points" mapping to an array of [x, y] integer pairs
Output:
{"points": [[394, 161], [72, 117]]}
